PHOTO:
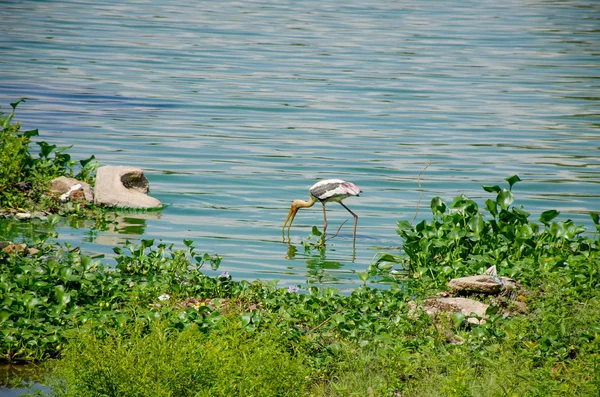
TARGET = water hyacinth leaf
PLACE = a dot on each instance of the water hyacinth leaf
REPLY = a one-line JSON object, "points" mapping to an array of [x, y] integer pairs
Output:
{"points": [[492, 189], [525, 232], [363, 276], [246, 319], [492, 207], [492, 310], [573, 229], [65, 273], [458, 319], [558, 230], [87, 161], [505, 198], [147, 243], [45, 149], [477, 224], [385, 266], [512, 180], [438, 205], [385, 257], [31, 133], [547, 216], [404, 225]]}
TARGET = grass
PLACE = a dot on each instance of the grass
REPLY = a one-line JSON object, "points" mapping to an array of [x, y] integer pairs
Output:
{"points": [[188, 363]]}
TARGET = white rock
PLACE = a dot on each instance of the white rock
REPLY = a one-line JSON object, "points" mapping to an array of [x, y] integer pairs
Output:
{"points": [[124, 187], [65, 186], [21, 216]]}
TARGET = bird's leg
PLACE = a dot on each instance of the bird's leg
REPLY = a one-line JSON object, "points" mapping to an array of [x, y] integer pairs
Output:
{"points": [[324, 219], [355, 218]]}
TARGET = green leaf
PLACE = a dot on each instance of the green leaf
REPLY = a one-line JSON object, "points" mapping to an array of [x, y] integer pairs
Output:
{"points": [[4, 315], [491, 207], [316, 232], [595, 217], [492, 189], [477, 224], [512, 180], [458, 319], [15, 104], [404, 225], [363, 276], [505, 198], [31, 133], [492, 310], [558, 230], [45, 149], [86, 161], [547, 216], [438, 205]]}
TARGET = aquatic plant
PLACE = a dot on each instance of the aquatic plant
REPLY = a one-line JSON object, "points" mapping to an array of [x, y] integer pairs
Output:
{"points": [[55, 288], [218, 336], [24, 178], [462, 239]]}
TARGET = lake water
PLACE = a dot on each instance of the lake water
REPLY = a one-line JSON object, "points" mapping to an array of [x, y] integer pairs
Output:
{"points": [[234, 108]]}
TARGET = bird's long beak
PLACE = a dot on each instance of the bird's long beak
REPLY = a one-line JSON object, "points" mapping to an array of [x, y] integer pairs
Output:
{"points": [[290, 218]]}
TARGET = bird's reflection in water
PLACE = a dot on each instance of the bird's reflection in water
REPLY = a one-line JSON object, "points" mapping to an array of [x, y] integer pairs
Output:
{"points": [[322, 271], [319, 268]]}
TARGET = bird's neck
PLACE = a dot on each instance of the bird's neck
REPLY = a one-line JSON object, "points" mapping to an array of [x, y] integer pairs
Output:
{"points": [[304, 204]]}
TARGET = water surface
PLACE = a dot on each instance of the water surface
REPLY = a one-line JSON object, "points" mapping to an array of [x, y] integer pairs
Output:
{"points": [[233, 109]]}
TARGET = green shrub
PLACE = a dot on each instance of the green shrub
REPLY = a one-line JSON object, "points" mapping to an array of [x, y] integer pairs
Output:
{"points": [[163, 362]]}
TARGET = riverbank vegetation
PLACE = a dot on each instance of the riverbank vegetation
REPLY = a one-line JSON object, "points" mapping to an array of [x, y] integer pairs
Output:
{"points": [[25, 178], [155, 325]]}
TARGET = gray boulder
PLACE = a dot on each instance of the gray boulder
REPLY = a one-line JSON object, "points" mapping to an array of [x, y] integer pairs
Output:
{"points": [[123, 187], [465, 306], [480, 284]]}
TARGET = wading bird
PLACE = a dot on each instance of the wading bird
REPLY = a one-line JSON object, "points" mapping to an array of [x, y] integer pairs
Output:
{"points": [[325, 191]]}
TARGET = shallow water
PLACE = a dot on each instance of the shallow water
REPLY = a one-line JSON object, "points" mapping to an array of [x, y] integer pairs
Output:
{"points": [[233, 109]]}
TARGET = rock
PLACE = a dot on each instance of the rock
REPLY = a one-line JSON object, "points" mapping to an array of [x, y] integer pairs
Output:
{"points": [[125, 187], [454, 305], [481, 284], [12, 248], [62, 185], [40, 215], [21, 216]]}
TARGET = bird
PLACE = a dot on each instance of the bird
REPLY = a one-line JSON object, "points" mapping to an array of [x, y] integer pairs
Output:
{"points": [[325, 191]]}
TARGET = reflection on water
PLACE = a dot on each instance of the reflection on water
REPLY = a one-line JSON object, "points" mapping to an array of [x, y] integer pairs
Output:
{"points": [[233, 109], [17, 379]]}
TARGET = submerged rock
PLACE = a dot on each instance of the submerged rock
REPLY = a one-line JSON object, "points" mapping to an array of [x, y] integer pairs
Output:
{"points": [[124, 187]]}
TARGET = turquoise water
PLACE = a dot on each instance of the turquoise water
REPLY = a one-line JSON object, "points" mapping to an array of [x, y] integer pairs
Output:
{"points": [[234, 109]]}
